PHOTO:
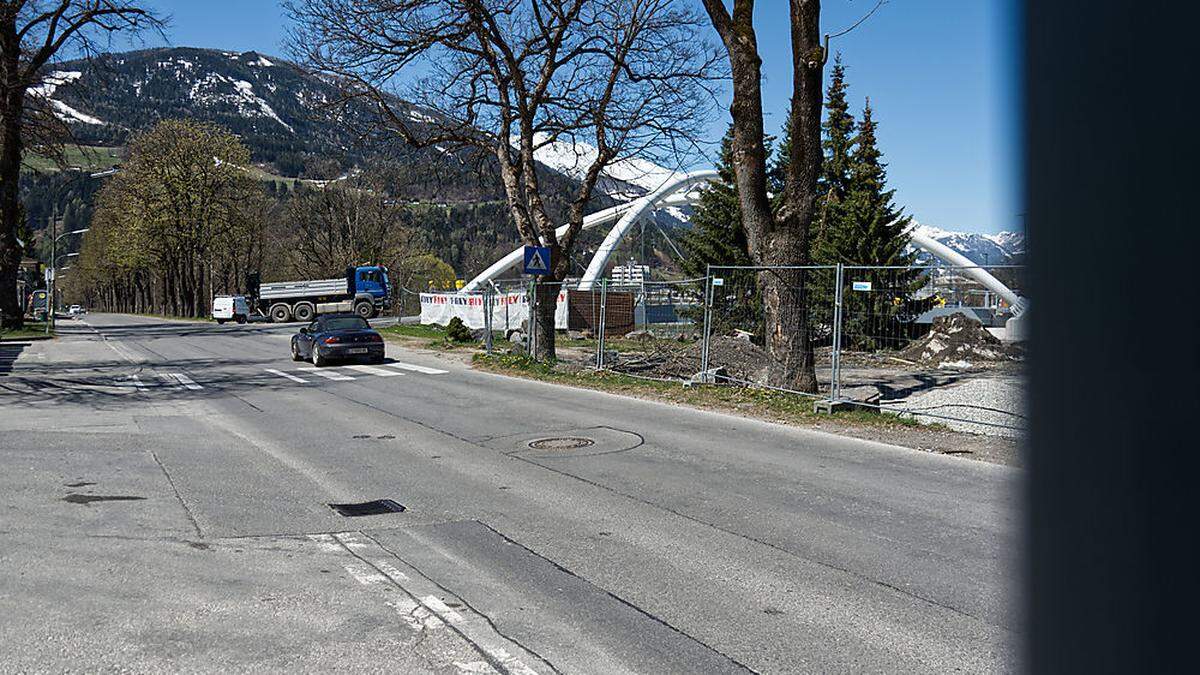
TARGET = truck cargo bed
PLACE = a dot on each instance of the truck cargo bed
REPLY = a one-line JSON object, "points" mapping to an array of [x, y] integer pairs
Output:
{"points": [[297, 289]]}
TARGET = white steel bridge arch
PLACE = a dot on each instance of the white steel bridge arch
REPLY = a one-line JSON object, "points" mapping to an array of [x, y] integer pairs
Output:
{"points": [[684, 190]]}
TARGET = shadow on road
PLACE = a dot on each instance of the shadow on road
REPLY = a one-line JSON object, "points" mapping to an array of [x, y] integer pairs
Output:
{"points": [[9, 353]]}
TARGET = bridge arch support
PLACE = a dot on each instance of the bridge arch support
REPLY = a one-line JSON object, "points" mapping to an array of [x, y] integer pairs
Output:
{"points": [[681, 190]]}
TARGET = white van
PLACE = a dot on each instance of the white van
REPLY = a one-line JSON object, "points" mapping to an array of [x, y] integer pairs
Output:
{"points": [[231, 308]]}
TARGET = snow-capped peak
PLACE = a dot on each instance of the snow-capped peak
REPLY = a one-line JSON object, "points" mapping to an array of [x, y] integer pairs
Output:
{"points": [[574, 159], [999, 248]]}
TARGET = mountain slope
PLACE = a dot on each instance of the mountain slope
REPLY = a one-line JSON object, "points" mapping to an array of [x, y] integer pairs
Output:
{"points": [[1002, 248], [284, 117], [281, 112]]}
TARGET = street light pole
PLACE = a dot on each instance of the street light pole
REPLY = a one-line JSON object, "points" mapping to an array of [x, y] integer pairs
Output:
{"points": [[53, 256]]}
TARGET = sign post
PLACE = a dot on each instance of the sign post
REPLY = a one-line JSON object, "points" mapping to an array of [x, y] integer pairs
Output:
{"points": [[537, 264]]}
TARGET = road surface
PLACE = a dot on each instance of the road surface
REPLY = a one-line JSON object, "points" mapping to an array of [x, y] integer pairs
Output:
{"points": [[165, 506]]}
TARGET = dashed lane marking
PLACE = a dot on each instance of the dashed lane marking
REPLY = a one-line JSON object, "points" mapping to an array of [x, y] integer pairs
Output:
{"points": [[289, 376], [328, 374], [416, 368]]}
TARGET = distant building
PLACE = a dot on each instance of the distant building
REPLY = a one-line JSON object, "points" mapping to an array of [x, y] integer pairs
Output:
{"points": [[630, 274]]}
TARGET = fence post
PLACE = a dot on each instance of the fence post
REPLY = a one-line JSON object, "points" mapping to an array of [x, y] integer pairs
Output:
{"points": [[603, 323], [531, 339], [487, 321], [708, 303], [835, 356]]}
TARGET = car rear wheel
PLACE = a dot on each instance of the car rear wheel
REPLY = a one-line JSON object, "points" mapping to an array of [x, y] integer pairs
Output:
{"points": [[304, 311], [221, 322], [281, 313], [317, 359]]}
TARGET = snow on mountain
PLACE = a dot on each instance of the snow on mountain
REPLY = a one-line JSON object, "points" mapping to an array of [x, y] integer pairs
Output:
{"points": [[50, 84], [1001, 248], [627, 178]]}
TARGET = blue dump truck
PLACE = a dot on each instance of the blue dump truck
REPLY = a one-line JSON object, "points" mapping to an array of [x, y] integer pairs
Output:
{"points": [[364, 290]]}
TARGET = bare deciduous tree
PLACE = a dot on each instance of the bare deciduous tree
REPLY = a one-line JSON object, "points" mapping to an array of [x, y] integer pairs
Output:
{"points": [[780, 238], [32, 34], [514, 78]]}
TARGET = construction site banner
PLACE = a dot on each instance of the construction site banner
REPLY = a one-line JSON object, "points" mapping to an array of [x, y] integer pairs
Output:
{"points": [[509, 310]]}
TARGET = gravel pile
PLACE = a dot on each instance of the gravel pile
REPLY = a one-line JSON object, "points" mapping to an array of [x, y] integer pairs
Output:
{"points": [[991, 400]]}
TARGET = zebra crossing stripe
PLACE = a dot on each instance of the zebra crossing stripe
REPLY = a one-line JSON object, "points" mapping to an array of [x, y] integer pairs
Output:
{"points": [[328, 374], [372, 370], [289, 376], [186, 381], [416, 368]]}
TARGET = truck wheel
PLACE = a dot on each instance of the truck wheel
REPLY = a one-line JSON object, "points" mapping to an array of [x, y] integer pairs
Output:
{"points": [[365, 309], [281, 313], [304, 311]]}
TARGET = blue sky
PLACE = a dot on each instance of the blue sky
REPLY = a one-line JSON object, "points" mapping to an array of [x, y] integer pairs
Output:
{"points": [[940, 75]]}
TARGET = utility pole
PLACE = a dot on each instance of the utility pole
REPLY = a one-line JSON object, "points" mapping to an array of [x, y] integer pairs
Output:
{"points": [[53, 273]]}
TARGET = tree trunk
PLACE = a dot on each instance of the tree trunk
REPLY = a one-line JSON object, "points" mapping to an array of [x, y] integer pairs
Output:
{"points": [[547, 303], [13, 102], [786, 294], [788, 339], [782, 239]]}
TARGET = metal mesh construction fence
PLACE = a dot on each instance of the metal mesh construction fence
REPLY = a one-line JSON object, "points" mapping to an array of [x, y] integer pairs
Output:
{"points": [[929, 342]]}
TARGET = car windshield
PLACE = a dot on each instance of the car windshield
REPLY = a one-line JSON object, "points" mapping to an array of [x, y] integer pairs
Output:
{"points": [[344, 323]]}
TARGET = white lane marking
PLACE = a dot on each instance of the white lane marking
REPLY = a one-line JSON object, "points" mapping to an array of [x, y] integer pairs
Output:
{"points": [[350, 540], [392, 572], [328, 374], [186, 381], [372, 370], [326, 542], [416, 368], [365, 575], [416, 616], [474, 667], [131, 382], [166, 377], [443, 610], [293, 378], [511, 663]]}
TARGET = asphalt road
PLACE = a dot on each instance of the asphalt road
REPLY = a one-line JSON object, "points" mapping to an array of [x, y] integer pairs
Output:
{"points": [[164, 507]]}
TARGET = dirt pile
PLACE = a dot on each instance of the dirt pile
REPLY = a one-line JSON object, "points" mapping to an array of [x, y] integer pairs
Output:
{"points": [[955, 341], [741, 359]]}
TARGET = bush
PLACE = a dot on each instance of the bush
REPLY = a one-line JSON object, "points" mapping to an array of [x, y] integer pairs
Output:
{"points": [[457, 331]]}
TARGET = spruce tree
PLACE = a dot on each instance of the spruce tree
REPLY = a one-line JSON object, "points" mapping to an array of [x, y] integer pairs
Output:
{"points": [[834, 183], [718, 238], [874, 233]]}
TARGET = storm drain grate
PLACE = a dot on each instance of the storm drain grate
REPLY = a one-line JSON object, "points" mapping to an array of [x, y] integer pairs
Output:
{"points": [[372, 508], [564, 443]]}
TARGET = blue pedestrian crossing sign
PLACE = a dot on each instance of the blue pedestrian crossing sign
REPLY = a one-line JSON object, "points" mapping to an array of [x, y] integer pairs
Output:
{"points": [[537, 260]]}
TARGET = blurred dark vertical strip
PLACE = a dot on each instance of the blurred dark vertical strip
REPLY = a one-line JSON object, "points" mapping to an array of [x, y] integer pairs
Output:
{"points": [[1110, 174]]}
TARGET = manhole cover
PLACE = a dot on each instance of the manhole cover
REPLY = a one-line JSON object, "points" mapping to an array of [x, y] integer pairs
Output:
{"points": [[373, 508], [564, 443]]}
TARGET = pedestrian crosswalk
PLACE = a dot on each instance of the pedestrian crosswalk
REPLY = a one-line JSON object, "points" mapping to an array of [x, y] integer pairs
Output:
{"points": [[165, 380], [349, 373]]}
